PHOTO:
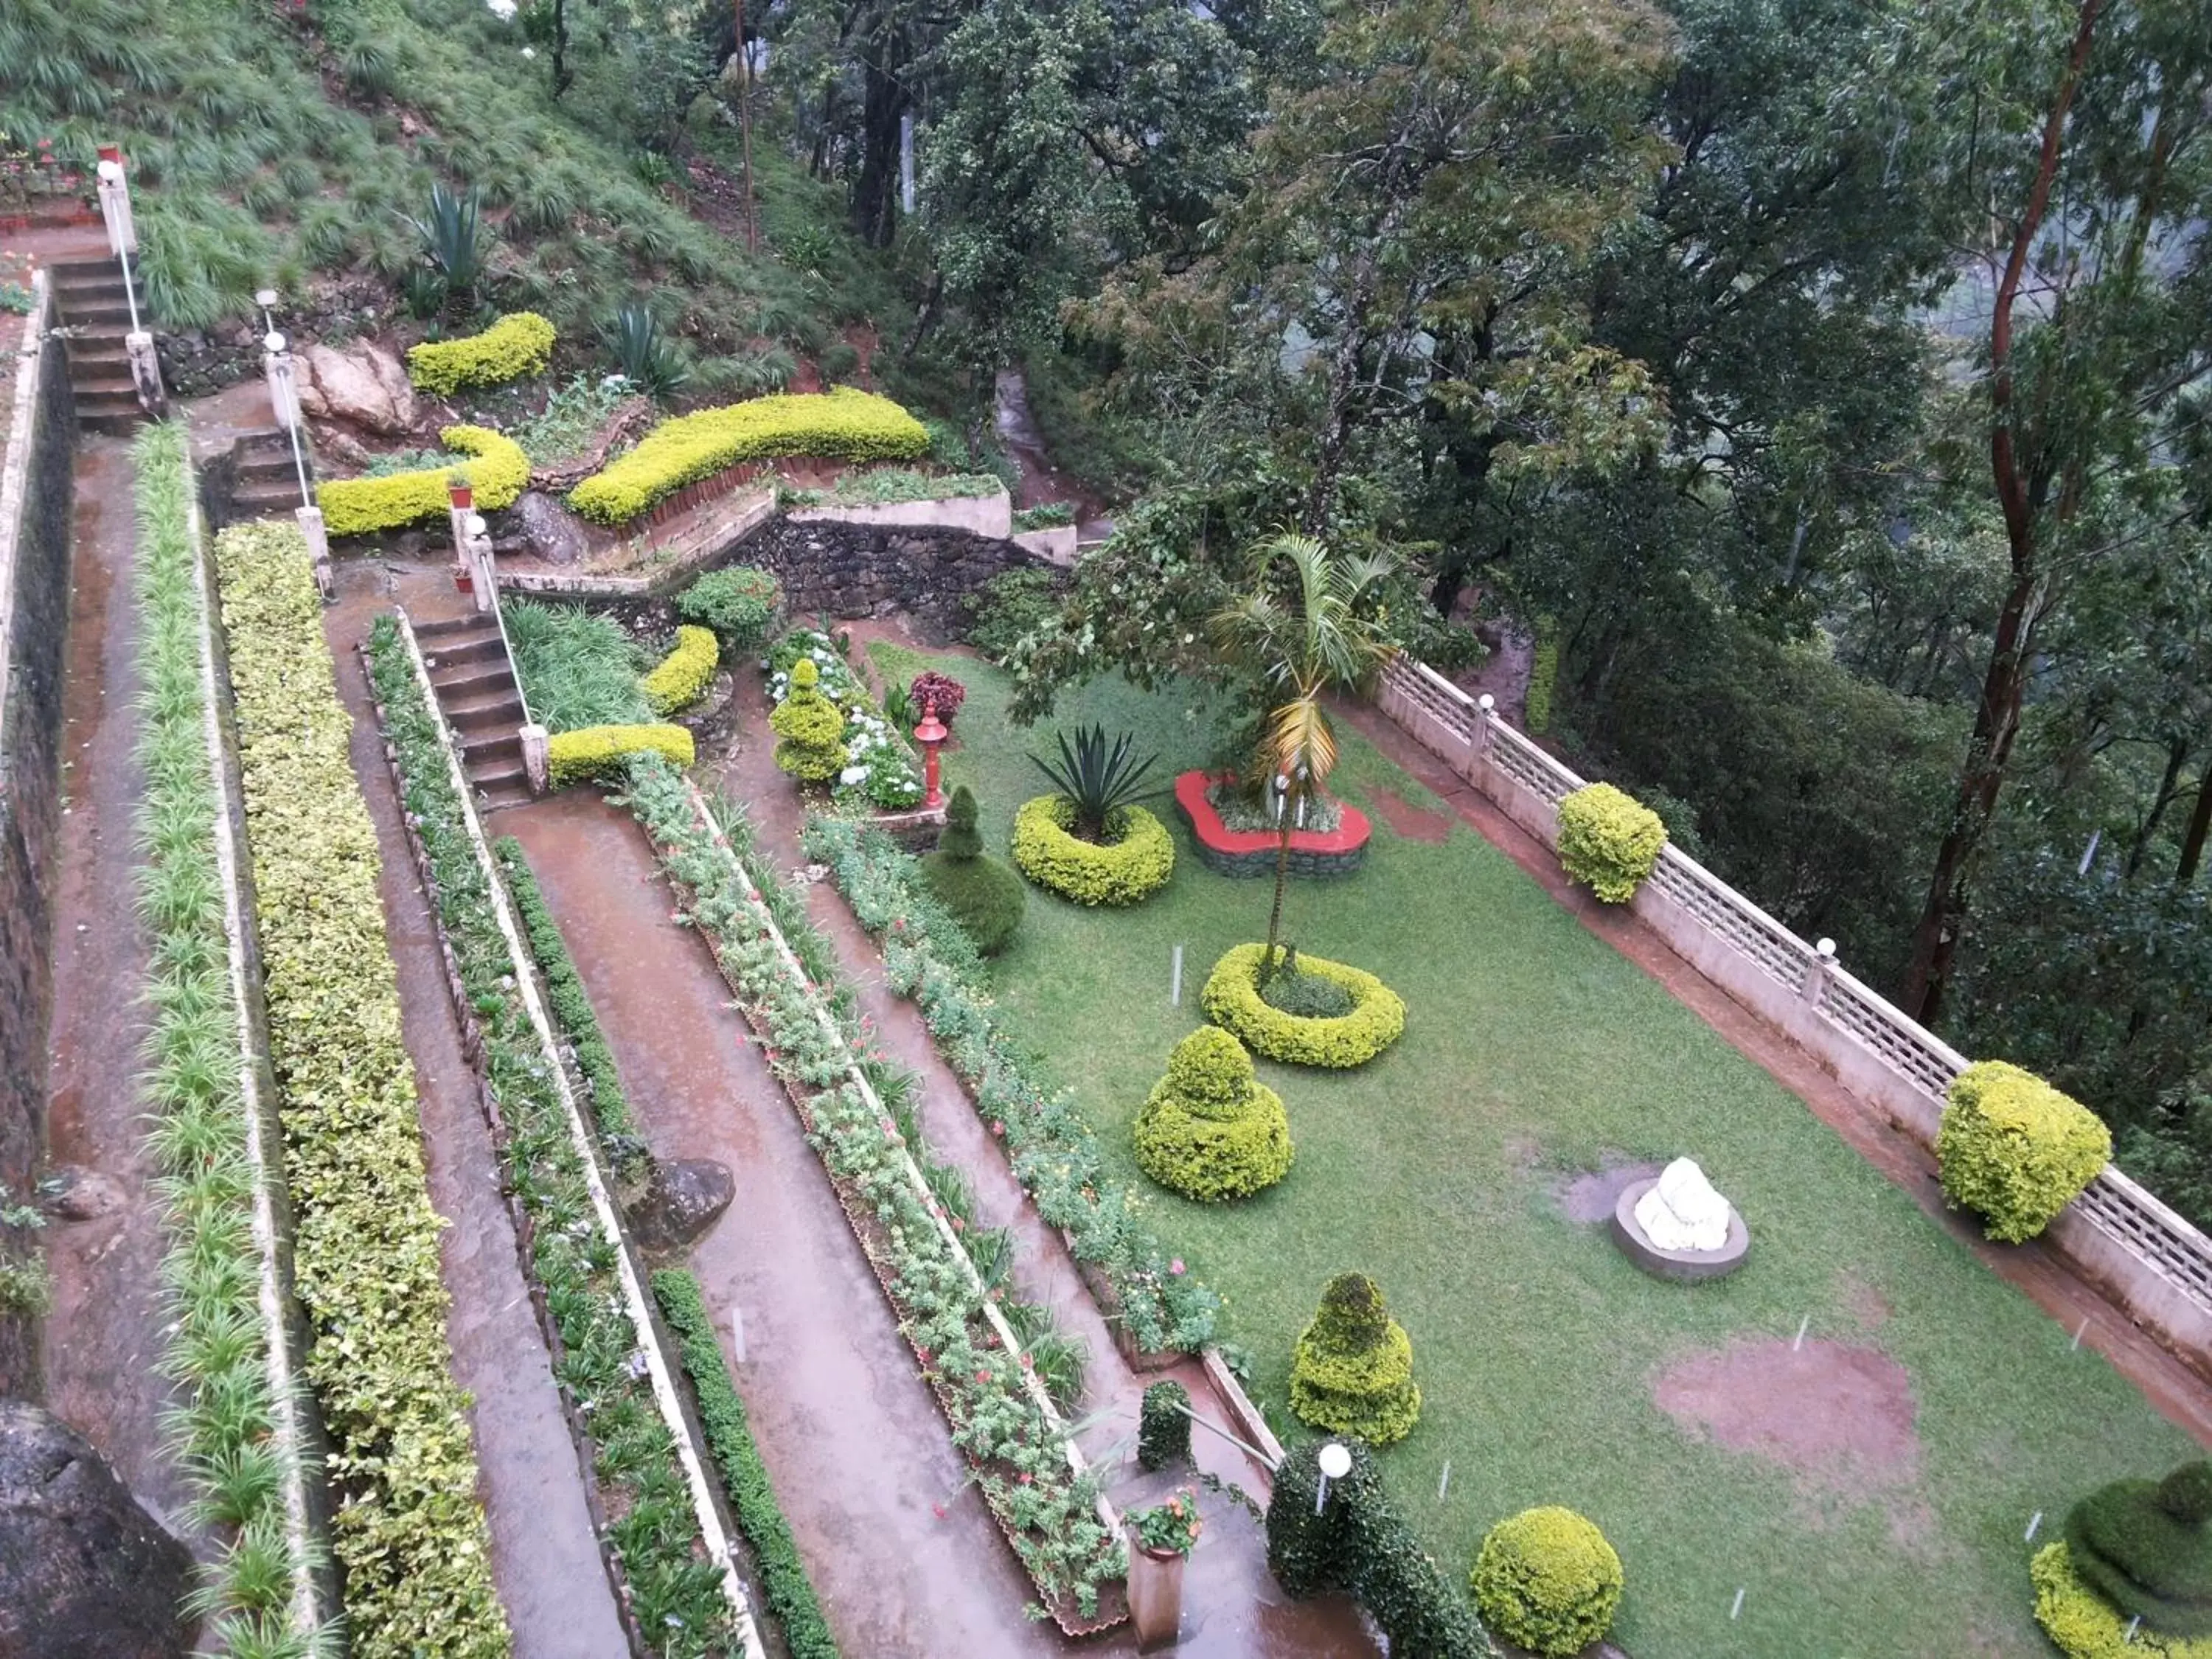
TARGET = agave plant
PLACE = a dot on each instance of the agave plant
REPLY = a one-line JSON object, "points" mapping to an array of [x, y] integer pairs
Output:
{"points": [[452, 235], [1098, 778], [648, 359]]}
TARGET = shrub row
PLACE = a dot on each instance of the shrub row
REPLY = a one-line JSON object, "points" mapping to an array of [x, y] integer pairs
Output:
{"points": [[408, 1530], [599, 751], [676, 1593], [1232, 998], [362, 506], [880, 772], [729, 1435], [216, 1350], [685, 673], [929, 960], [518, 344], [1049, 854], [2014, 1149], [843, 425], [1019, 1456]]}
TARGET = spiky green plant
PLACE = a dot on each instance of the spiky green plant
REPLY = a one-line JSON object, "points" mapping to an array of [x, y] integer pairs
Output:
{"points": [[1099, 778], [648, 358]]}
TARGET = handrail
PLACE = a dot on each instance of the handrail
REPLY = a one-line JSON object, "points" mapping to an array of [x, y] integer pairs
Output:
{"points": [[499, 616]]}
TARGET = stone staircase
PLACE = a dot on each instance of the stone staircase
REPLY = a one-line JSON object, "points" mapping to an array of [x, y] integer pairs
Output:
{"points": [[266, 484], [94, 304], [476, 689]]}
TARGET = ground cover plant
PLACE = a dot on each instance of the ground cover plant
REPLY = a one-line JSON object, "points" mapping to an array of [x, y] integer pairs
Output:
{"points": [[225, 1431], [1552, 1372], [675, 1592], [408, 1529], [887, 486], [578, 667]]}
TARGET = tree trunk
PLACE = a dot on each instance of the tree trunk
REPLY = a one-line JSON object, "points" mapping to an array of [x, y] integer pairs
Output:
{"points": [[562, 74], [2200, 826], [1282, 879], [883, 102]]}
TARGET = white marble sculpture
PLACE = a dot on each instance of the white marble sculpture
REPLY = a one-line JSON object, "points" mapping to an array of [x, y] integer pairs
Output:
{"points": [[1682, 1212]]}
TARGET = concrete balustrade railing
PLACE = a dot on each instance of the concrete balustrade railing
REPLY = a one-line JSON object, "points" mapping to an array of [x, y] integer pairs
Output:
{"points": [[2149, 1262]]}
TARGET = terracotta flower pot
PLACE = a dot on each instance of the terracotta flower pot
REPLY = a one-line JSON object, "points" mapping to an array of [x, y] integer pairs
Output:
{"points": [[1156, 1596]]}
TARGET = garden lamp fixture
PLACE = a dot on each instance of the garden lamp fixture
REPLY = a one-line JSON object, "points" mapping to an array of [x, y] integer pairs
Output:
{"points": [[122, 231], [931, 734], [1336, 1461], [284, 398], [266, 299]]}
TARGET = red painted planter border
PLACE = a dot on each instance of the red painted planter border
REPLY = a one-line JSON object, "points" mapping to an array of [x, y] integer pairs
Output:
{"points": [[1350, 836]]}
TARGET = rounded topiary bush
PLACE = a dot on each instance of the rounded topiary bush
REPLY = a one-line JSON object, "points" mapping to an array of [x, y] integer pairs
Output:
{"points": [[1352, 1370], [811, 727], [983, 896], [1609, 840], [1164, 1426], [2143, 1546], [1210, 1128], [1133, 862], [1547, 1580], [2014, 1149], [737, 604], [1232, 999]]}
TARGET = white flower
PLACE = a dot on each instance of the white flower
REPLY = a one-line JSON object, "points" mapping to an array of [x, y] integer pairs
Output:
{"points": [[853, 775]]}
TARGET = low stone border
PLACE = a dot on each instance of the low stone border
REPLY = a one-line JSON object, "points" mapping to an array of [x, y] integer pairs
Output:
{"points": [[1682, 1266], [1242, 852]]}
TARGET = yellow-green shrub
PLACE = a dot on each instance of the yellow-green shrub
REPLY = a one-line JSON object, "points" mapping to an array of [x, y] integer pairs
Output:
{"points": [[1210, 1128], [597, 751], [1049, 854], [811, 727], [1609, 840], [2083, 1625], [1231, 999], [846, 425], [685, 673], [2014, 1149], [1352, 1370], [518, 344], [361, 507], [1547, 1580]]}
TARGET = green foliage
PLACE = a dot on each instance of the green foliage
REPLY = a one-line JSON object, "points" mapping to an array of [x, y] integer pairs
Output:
{"points": [[1543, 675], [1045, 515], [360, 506], [884, 486], [1547, 1580], [2144, 1547], [2015, 1151], [572, 417], [518, 345], [407, 1531], [878, 770], [811, 727], [1292, 991], [649, 359], [845, 425], [982, 895], [1164, 1426], [578, 667], [1358, 1541], [1008, 609], [1131, 861], [1232, 999], [683, 677], [739, 602], [27, 1289], [929, 959], [2083, 1625], [14, 298], [1211, 1129], [1352, 1370], [1609, 840], [789, 1593], [599, 753], [453, 235], [1096, 779]]}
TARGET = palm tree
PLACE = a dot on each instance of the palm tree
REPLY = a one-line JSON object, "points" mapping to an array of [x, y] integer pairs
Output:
{"points": [[1302, 638]]}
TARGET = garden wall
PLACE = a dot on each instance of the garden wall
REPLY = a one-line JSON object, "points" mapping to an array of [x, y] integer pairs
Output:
{"points": [[2148, 1261], [35, 483], [978, 515]]}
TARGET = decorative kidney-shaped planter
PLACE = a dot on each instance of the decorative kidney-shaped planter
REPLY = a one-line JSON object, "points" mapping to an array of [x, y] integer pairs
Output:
{"points": [[1253, 852]]}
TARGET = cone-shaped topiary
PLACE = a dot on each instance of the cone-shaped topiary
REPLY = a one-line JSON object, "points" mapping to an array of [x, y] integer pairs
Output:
{"points": [[1352, 1370], [985, 897], [1547, 1580], [812, 730], [1210, 1129], [2145, 1545]]}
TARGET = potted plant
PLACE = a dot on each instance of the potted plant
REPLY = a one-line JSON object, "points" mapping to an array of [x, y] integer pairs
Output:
{"points": [[1161, 1540]]}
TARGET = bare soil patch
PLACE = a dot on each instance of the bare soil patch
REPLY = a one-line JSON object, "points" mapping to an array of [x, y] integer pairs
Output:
{"points": [[1839, 1418], [1590, 1197]]}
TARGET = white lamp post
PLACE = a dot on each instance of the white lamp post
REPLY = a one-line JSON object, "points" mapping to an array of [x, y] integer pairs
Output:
{"points": [[1336, 1461], [123, 242], [284, 398]]}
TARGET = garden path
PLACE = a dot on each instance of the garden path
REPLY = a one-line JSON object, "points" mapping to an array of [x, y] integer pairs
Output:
{"points": [[2168, 1384], [545, 1556]]}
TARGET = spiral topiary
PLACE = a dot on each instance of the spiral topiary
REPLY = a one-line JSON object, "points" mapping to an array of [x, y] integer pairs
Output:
{"points": [[1352, 1370], [1210, 1129], [811, 727], [985, 897], [2144, 1547], [1547, 1580]]}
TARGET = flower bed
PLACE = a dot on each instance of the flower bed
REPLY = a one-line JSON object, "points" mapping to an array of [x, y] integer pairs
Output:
{"points": [[1026, 1468], [1253, 852], [408, 1530], [880, 772], [1148, 1301], [1232, 998], [668, 1581]]}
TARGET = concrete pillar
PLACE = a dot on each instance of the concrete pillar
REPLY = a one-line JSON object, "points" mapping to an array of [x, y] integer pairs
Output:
{"points": [[1814, 987], [146, 374], [535, 760], [319, 548]]}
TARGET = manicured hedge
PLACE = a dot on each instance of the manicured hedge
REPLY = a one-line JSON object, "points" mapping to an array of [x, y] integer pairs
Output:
{"points": [[1210, 1128], [518, 344], [408, 1529], [843, 425], [1547, 1579], [1049, 854], [2083, 1625], [1231, 999], [2014, 1149], [597, 752], [1352, 1372], [685, 673], [361, 507], [1609, 840], [784, 1581]]}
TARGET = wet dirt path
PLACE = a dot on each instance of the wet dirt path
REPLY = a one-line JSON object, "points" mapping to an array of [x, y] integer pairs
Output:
{"points": [[103, 1337], [545, 1557]]}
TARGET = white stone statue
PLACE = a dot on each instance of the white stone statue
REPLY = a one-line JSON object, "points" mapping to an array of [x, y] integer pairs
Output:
{"points": [[1682, 1212]]}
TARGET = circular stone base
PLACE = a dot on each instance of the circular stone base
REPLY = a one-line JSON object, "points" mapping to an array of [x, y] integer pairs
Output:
{"points": [[1685, 1267]]}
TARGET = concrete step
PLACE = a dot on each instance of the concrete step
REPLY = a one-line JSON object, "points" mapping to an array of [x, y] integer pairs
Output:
{"points": [[82, 310], [100, 380], [507, 794], [456, 649], [472, 680], [494, 778], [502, 712], [450, 625], [89, 284], [111, 412], [264, 463]]}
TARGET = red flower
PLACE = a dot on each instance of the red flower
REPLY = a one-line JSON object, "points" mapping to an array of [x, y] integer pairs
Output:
{"points": [[998, 1128], [982, 1376]]}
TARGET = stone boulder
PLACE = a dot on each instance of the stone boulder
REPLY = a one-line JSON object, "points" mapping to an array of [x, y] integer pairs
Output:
{"points": [[553, 533], [363, 386], [85, 1572], [1682, 1212], [682, 1200]]}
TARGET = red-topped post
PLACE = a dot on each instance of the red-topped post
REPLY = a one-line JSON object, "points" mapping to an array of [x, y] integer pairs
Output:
{"points": [[931, 734]]}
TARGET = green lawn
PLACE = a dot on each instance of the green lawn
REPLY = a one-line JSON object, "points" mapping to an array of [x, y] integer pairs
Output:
{"points": [[1532, 1049]]}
